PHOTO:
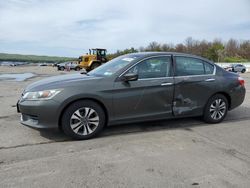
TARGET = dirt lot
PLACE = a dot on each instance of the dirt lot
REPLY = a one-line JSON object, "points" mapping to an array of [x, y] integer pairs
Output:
{"points": [[175, 153]]}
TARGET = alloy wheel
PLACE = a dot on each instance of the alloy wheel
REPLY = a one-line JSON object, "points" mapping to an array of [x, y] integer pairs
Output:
{"points": [[217, 109], [84, 121]]}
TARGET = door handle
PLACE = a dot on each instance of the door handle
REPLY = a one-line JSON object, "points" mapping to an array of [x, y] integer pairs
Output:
{"points": [[210, 80], [167, 84]]}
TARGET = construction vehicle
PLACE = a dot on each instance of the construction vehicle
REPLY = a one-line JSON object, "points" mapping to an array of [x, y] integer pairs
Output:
{"points": [[94, 59]]}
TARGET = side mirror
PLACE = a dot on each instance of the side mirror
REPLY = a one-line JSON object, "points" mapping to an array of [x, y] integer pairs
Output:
{"points": [[130, 77]]}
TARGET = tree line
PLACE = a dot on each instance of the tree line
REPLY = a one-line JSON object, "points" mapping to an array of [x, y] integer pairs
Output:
{"points": [[217, 50], [229, 51], [33, 58]]}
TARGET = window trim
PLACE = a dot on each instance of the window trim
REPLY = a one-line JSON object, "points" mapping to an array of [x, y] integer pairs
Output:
{"points": [[174, 67], [171, 67], [159, 78]]}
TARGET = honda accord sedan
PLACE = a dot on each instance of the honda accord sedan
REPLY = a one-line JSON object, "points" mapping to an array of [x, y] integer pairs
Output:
{"points": [[132, 88]]}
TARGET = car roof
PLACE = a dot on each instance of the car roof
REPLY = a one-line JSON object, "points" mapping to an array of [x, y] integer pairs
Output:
{"points": [[149, 54]]}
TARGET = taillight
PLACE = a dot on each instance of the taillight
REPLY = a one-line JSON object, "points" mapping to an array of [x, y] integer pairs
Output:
{"points": [[241, 81]]}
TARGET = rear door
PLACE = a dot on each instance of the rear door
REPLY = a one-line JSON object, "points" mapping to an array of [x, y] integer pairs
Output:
{"points": [[151, 95], [195, 82]]}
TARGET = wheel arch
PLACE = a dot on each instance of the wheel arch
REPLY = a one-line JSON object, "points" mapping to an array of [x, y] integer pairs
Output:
{"points": [[228, 97], [82, 99], [77, 67]]}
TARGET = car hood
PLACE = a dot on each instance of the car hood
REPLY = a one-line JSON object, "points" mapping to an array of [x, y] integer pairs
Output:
{"points": [[61, 81]]}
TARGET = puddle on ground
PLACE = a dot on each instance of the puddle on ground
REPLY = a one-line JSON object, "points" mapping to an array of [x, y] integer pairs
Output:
{"points": [[16, 77]]}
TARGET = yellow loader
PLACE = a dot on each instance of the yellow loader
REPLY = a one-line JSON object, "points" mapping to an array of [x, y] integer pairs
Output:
{"points": [[95, 58]]}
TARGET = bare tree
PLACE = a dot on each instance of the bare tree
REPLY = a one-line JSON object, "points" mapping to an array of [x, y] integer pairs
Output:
{"points": [[244, 50], [180, 48], [153, 46], [232, 48]]}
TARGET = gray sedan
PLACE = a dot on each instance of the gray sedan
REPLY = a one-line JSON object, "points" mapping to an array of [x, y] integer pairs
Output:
{"points": [[132, 88]]}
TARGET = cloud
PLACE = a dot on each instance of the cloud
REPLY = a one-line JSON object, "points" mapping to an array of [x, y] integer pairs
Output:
{"points": [[69, 28]]}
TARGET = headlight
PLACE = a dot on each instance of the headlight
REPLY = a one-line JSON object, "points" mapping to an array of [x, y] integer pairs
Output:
{"points": [[41, 95]]}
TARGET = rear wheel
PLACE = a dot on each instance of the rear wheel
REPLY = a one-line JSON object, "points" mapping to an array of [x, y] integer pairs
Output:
{"points": [[216, 109], [62, 68], [77, 68], [83, 120], [94, 65], [243, 71]]}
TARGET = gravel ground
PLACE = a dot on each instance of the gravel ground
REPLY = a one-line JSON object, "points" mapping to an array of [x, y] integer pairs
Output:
{"points": [[174, 153]]}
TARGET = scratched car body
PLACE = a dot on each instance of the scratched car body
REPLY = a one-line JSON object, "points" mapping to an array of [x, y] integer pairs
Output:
{"points": [[132, 88]]}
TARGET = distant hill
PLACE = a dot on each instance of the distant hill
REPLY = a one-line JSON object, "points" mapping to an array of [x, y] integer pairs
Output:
{"points": [[33, 58]]}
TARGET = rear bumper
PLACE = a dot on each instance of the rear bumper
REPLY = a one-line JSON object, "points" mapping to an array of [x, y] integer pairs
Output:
{"points": [[39, 114], [237, 97]]}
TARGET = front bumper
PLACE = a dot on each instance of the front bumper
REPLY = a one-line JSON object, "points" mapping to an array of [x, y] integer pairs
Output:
{"points": [[39, 114]]}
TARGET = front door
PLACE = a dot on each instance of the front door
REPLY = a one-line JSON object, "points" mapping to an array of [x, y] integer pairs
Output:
{"points": [[149, 96]]}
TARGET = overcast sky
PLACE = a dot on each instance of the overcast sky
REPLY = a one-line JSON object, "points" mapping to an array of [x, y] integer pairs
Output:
{"points": [[70, 27]]}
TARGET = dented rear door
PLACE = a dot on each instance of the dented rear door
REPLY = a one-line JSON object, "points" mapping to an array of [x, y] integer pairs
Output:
{"points": [[195, 82]]}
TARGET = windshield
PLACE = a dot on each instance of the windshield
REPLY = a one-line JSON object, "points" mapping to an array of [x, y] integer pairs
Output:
{"points": [[111, 67], [94, 51]]}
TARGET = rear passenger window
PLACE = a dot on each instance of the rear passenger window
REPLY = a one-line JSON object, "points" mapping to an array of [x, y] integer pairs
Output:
{"points": [[209, 69], [186, 66]]}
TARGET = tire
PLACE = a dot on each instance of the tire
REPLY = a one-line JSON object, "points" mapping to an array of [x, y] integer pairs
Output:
{"points": [[214, 113], [62, 68], [94, 65], [78, 126], [77, 68], [243, 71]]}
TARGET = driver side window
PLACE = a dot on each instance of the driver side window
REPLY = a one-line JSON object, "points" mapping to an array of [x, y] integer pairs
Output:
{"points": [[155, 67]]}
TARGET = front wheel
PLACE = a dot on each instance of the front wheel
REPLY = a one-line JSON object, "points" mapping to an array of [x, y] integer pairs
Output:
{"points": [[216, 109], [77, 69], [83, 120]]}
